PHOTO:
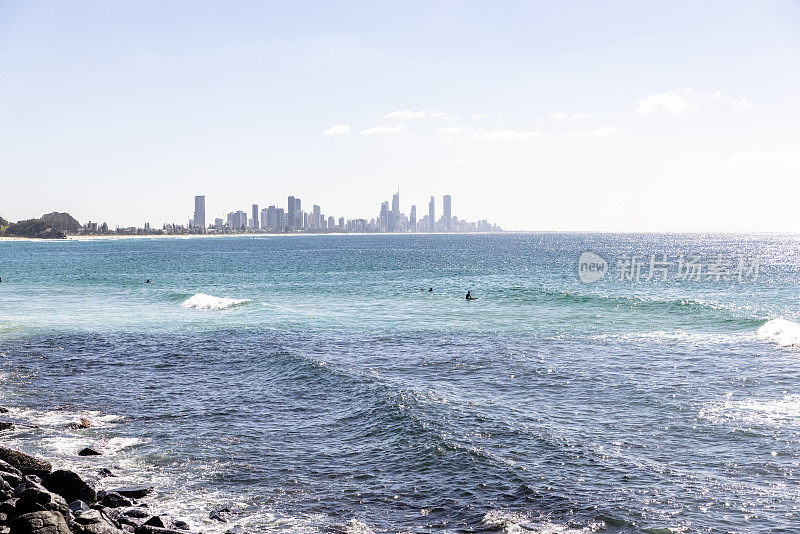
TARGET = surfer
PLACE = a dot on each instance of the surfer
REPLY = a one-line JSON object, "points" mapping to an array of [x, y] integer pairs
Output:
{"points": [[147, 281], [470, 297]]}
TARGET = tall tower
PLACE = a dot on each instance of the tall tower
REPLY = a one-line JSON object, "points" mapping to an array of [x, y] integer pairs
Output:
{"points": [[394, 218], [200, 212], [294, 214], [412, 219], [447, 214], [432, 214], [256, 226]]}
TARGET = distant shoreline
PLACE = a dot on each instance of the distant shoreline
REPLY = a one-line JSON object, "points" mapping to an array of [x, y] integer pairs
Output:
{"points": [[204, 236]]}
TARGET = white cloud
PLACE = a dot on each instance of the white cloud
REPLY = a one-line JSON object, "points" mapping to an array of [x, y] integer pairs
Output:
{"points": [[669, 102], [338, 129], [489, 135], [605, 130], [559, 116], [384, 129], [728, 99], [580, 116], [476, 116], [576, 133], [758, 156], [407, 114]]}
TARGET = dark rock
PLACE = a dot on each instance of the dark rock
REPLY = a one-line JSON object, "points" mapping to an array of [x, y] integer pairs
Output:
{"points": [[6, 425], [96, 522], [84, 423], [155, 521], [11, 478], [39, 523], [136, 512], [113, 499], [3, 518], [29, 482], [8, 468], [70, 486], [37, 500], [137, 492], [180, 525], [220, 514], [105, 472], [8, 508], [235, 530], [6, 491], [88, 451], [77, 507], [3, 409], [149, 529], [28, 465]]}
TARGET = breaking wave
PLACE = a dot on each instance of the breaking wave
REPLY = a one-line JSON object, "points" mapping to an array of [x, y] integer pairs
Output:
{"points": [[201, 301], [784, 333]]}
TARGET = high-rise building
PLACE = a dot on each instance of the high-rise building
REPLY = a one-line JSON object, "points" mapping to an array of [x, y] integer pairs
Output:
{"points": [[383, 222], [199, 220], [447, 215], [271, 221], [294, 214], [316, 222], [256, 226], [412, 219], [280, 220], [394, 217], [432, 214]]}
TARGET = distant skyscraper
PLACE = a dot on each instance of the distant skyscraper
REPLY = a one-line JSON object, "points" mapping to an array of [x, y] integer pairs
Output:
{"points": [[200, 212], [294, 214], [271, 222], [280, 219], [383, 223], [447, 216], [412, 219], [394, 216], [256, 226], [432, 214], [316, 218]]}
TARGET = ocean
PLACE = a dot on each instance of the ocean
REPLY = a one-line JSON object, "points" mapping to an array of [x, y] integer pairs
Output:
{"points": [[312, 383]]}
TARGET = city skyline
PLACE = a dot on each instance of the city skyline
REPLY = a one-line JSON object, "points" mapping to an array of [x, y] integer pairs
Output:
{"points": [[293, 218]]}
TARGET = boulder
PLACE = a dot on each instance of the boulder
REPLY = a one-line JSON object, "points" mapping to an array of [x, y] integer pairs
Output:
{"points": [[6, 425], [105, 472], [39, 523], [78, 507], [220, 514], [37, 500], [11, 478], [96, 522], [134, 492], [70, 486], [112, 499], [3, 409], [8, 468], [149, 529], [88, 451], [26, 464]]}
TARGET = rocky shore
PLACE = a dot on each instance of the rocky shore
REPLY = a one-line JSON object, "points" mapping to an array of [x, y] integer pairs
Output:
{"points": [[35, 499]]}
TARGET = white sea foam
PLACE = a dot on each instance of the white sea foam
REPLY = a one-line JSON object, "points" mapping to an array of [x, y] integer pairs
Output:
{"points": [[780, 331], [778, 412], [201, 301], [516, 522]]}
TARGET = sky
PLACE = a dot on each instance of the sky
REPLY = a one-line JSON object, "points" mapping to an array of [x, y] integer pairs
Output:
{"points": [[557, 115]]}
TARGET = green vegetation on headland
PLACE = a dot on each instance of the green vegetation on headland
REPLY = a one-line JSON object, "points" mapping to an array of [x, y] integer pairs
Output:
{"points": [[49, 226]]}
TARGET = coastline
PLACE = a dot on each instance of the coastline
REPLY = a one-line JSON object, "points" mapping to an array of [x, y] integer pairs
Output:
{"points": [[38, 497]]}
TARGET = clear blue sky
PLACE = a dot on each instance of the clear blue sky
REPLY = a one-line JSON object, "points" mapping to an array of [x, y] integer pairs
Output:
{"points": [[537, 115]]}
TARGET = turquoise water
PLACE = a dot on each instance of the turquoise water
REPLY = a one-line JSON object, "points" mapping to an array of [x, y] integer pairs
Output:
{"points": [[333, 393]]}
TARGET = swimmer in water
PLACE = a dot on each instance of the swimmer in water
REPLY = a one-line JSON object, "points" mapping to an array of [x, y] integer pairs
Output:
{"points": [[470, 297]]}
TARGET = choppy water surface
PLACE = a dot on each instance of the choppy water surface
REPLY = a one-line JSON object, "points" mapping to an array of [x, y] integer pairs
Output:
{"points": [[307, 382]]}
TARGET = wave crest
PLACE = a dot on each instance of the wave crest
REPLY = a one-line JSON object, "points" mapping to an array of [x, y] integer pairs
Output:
{"points": [[201, 301], [780, 331]]}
